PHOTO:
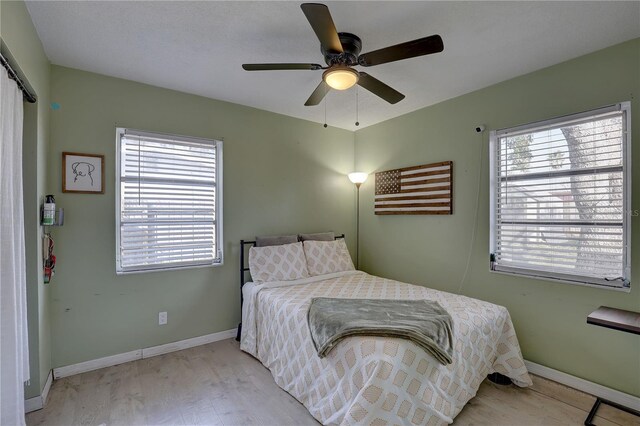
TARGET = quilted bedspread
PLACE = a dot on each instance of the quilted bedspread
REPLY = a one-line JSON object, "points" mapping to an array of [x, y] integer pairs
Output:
{"points": [[376, 380]]}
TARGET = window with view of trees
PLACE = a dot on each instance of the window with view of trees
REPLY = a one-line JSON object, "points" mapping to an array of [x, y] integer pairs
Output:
{"points": [[560, 198], [168, 201]]}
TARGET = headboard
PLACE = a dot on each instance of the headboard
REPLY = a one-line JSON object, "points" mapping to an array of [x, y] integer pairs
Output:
{"points": [[244, 270]]}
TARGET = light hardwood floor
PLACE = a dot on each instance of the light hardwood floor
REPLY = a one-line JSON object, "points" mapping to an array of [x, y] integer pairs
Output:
{"points": [[217, 384]]}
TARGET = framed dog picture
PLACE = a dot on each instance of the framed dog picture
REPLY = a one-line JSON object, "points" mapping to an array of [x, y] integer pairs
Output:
{"points": [[82, 173]]}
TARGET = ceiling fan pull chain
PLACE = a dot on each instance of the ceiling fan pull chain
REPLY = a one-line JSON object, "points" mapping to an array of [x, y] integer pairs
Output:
{"points": [[325, 113], [357, 119]]}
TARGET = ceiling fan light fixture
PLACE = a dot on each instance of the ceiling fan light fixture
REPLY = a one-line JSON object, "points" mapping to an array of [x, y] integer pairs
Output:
{"points": [[340, 77]]}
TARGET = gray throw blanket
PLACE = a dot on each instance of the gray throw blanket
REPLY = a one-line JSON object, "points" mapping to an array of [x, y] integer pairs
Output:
{"points": [[423, 322]]}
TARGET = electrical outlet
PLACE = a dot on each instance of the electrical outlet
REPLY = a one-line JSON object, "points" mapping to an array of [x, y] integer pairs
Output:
{"points": [[162, 318]]}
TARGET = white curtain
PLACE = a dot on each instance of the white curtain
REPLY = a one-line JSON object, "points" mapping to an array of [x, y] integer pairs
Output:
{"points": [[14, 349]]}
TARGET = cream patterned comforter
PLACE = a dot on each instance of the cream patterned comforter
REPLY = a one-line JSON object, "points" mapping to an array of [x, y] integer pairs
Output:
{"points": [[375, 380]]}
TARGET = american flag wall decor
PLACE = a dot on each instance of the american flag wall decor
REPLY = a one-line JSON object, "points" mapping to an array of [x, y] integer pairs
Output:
{"points": [[426, 189]]}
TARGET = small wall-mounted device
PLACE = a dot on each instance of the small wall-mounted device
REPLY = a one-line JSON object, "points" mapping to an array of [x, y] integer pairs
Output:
{"points": [[49, 214], [480, 128], [49, 210], [58, 218]]}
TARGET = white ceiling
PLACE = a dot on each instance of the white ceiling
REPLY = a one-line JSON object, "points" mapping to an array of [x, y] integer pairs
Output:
{"points": [[198, 47]]}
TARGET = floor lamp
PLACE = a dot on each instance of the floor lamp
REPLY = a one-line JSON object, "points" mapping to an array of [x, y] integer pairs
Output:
{"points": [[358, 178]]}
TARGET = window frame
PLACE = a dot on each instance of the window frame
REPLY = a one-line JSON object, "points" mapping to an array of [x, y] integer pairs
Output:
{"points": [[494, 139], [219, 259]]}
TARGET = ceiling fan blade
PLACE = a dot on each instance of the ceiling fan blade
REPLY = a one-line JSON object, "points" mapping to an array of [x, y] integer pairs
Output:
{"points": [[318, 95], [409, 49], [380, 89], [277, 67], [320, 19]]}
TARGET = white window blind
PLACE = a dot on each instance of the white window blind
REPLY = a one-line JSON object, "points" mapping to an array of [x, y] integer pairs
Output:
{"points": [[168, 202], [560, 198]]}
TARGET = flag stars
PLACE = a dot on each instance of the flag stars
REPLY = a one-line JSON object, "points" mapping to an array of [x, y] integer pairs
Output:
{"points": [[388, 182]]}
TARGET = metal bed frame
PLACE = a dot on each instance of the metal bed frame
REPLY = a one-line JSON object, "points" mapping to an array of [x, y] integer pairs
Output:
{"points": [[244, 270]]}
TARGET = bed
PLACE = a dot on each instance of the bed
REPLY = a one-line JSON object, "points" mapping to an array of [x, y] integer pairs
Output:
{"points": [[376, 380]]}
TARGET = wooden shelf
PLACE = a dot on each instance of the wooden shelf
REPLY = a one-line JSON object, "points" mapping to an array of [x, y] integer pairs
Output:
{"points": [[617, 319]]}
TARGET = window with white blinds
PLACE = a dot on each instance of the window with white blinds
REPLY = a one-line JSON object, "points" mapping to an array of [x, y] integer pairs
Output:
{"points": [[168, 202], [561, 198]]}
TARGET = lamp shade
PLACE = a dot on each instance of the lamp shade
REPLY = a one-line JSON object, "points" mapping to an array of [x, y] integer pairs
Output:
{"points": [[340, 77], [358, 177]]}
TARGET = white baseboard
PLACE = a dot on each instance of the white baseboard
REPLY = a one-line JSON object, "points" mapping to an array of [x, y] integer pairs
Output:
{"points": [[33, 404], [586, 386], [96, 364], [187, 343], [38, 402], [112, 360], [47, 387]]}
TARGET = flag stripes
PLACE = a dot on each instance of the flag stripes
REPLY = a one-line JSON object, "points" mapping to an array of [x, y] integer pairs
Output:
{"points": [[423, 189]]}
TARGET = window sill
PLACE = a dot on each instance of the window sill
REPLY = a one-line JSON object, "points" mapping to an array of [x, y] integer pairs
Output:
{"points": [[176, 268], [561, 281]]}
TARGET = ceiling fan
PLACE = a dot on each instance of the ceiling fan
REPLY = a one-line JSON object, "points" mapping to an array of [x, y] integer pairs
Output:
{"points": [[342, 52]]}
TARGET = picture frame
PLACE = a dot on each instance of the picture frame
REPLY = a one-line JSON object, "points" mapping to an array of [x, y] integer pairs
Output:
{"points": [[82, 173]]}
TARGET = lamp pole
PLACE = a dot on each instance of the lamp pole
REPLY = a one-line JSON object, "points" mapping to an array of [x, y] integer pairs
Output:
{"points": [[358, 224], [358, 179]]}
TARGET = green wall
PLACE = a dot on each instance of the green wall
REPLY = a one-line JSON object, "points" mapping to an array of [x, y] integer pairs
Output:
{"points": [[22, 42], [550, 317], [281, 175]]}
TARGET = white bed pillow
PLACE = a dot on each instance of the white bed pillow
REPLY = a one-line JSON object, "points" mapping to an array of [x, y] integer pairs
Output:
{"points": [[327, 257], [277, 263]]}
